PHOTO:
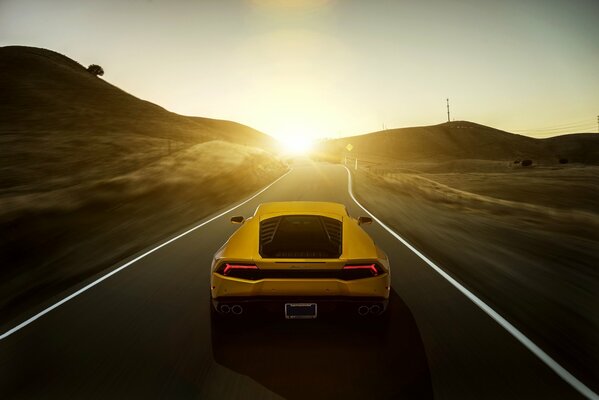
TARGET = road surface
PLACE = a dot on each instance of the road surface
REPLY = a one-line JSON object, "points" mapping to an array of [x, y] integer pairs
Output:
{"points": [[145, 332]]}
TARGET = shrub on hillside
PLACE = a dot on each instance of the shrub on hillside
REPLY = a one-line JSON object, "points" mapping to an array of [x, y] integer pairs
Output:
{"points": [[95, 69], [516, 161], [526, 163], [563, 161]]}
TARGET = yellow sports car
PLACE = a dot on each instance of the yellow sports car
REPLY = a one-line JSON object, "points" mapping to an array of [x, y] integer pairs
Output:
{"points": [[300, 259]]}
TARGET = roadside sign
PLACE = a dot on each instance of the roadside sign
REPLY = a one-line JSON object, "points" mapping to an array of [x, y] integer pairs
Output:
{"points": [[349, 147]]}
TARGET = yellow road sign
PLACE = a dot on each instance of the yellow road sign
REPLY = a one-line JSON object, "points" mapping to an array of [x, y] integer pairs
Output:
{"points": [[349, 147]]}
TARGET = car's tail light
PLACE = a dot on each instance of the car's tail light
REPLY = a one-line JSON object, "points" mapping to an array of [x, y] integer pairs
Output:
{"points": [[231, 268], [243, 271], [362, 271]]}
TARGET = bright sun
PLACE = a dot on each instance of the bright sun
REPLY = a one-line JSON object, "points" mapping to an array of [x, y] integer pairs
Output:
{"points": [[295, 145]]}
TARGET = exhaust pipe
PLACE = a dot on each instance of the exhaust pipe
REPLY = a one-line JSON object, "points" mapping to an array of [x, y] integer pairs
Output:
{"points": [[375, 309], [363, 310], [237, 309], [224, 308]]}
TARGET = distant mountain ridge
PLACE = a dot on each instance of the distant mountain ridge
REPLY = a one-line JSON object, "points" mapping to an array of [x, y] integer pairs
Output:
{"points": [[467, 140], [46, 91]]}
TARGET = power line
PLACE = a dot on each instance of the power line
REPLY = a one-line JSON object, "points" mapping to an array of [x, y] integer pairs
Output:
{"points": [[556, 128], [578, 122], [558, 133], [574, 128], [559, 127]]}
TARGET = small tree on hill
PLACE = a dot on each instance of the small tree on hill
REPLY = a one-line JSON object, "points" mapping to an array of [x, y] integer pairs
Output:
{"points": [[96, 70]]}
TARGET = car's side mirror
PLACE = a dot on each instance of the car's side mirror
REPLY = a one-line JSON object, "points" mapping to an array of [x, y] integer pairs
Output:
{"points": [[364, 220], [237, 220]]}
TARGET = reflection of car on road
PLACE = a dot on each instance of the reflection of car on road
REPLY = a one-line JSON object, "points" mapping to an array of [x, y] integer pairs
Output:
{"points": [[300, 260]]}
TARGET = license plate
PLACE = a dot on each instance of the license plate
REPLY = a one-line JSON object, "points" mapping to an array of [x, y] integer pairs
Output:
{"points": [[300, 310]]}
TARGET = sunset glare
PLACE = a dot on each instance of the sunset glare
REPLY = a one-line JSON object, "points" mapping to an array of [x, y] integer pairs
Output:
{"points": [[336, 68], [295, 144]]}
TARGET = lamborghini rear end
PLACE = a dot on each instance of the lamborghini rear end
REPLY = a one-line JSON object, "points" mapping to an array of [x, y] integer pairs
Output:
{"points": [[300, 260]]}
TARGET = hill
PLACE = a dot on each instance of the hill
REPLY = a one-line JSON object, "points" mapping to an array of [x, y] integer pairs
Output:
{"points": [[466, 140], [90, 174], [61, 124], [579, 147], [44, 86]]}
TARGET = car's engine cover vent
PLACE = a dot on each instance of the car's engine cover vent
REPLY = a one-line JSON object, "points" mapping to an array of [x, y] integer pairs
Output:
{"points": [[267, 229], [300, 236]]}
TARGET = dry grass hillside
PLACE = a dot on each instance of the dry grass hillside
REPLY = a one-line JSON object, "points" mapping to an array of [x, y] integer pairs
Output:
{"points": [[46, 91], [90, 174], [460, 140], [59, 123]]}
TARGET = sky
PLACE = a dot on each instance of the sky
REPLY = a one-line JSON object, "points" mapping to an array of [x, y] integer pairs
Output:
{"points": [[326, 68]]}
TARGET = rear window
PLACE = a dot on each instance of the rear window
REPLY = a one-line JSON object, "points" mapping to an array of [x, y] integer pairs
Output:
{"points": [[300, 236]]}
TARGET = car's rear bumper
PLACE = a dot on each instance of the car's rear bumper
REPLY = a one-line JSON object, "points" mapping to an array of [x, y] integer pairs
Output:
{"points": [[275, 305], [376, 286]]}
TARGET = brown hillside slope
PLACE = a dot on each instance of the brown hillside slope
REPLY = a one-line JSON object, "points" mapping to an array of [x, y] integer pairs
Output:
{"points": [[61, 125], [38, 84], [90, 174], [580, 147], [237, 133], [466, 140]]}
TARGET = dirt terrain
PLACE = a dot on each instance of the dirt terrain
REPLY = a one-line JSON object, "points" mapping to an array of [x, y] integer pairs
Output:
{"points": [[525, 240]]}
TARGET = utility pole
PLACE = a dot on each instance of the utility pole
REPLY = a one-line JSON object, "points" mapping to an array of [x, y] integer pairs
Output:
{"points": [[597, 123], [448, 110]]}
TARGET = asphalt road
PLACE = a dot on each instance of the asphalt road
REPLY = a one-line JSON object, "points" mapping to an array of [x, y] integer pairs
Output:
{"points": [[145, 332]]}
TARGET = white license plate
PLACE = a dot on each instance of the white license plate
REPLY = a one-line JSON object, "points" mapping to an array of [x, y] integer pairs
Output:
{"points": [[300, 310]]}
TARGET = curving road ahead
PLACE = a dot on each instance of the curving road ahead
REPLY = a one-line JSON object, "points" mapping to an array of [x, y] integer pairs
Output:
{"points": [[145, 332]]}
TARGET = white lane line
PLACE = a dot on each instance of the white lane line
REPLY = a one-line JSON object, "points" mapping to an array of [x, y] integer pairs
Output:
{"points": [[512, 330], [122, 267]]}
